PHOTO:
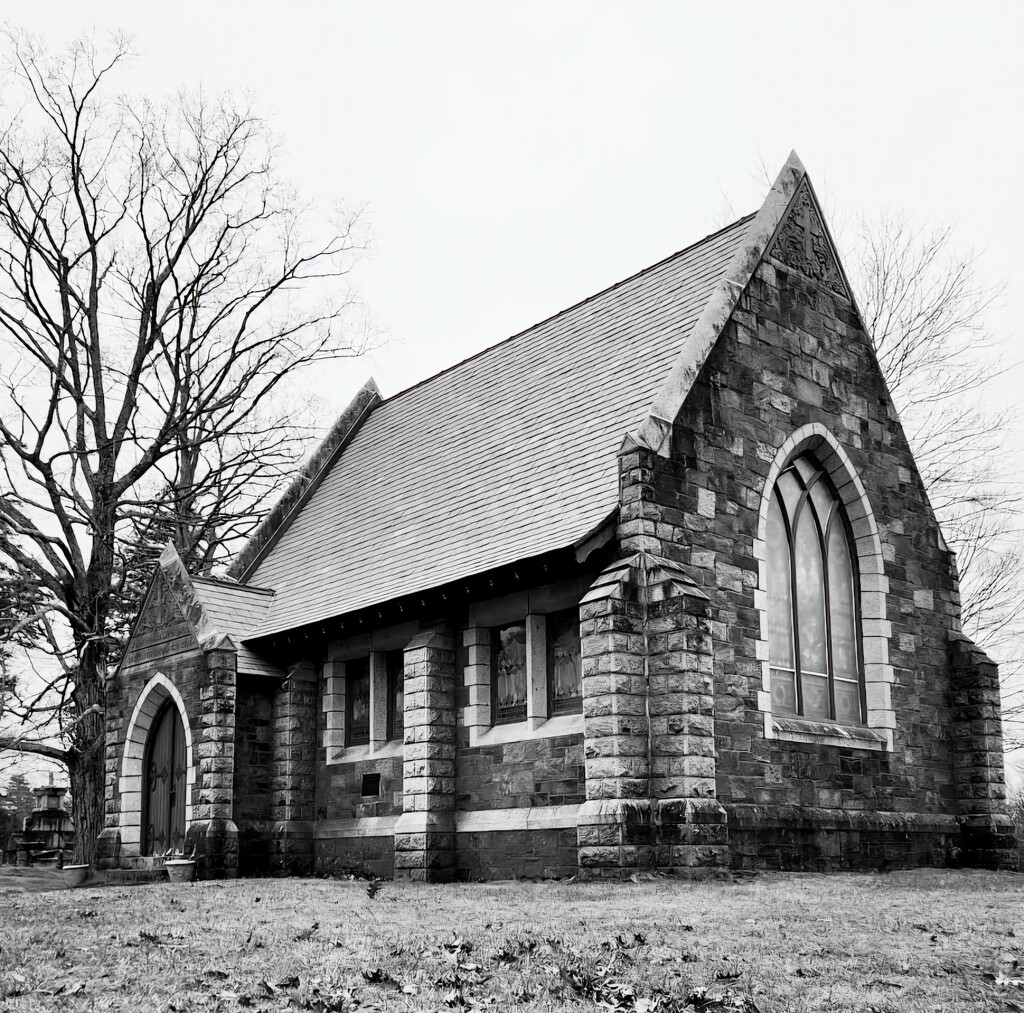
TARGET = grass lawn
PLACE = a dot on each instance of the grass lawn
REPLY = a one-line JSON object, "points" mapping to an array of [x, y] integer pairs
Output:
{"points": [[907, 942]]}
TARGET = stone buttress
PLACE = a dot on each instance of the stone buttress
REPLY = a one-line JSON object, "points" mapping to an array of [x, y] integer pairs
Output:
{"points": [[425, 832]]}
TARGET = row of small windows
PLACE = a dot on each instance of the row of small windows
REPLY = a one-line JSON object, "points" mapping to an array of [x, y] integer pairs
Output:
{"points": [[509, 672], [813, 627], [510, 663]]}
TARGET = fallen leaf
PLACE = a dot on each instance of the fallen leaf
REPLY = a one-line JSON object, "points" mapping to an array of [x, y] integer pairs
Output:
{"points": [[307, 934]]}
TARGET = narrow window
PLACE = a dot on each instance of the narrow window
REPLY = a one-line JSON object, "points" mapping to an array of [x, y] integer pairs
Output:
{"points": [[508, 673], [565, 671], [357, 702], [813, 642], [395, 664]]}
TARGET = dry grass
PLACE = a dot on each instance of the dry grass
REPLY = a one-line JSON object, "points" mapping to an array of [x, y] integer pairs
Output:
{"points": [[903, 942]]}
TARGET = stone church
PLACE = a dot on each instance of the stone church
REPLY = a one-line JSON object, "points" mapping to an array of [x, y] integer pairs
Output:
{"points": [[653, 585]]}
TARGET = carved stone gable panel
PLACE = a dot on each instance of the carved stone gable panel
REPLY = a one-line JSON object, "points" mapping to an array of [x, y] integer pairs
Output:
{"points": [[160, 609], [162, 630], [802, 244]]}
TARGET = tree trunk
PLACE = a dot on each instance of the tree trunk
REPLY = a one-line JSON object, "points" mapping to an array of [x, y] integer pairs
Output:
{"points": [[86, 753], [86, 766], [87, 804]]}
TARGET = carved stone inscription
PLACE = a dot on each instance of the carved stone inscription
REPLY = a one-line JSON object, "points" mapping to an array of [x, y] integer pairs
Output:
{"points": [[162, 631], [802, 243]]}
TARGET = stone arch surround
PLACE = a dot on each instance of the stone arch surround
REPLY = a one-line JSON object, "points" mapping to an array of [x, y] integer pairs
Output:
{"points": [[876, 630], [154, 695]]}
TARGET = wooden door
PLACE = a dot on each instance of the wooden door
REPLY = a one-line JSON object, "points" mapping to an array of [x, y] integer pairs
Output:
{"points": [[164, 790]]}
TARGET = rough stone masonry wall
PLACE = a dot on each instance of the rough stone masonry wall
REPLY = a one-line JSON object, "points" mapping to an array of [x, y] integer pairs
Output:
{"points": [[987, 834], [518, 775], [648, 708], [522, 854], [212, 836], [253, 811], [365, 855], [425, 832], [339, 799], [793, 354], [293, 759]]}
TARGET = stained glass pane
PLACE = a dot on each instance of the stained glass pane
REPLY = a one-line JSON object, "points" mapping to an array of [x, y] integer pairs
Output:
{"points": [[810, 595], [815, 689], [396, 693], [841, 603], [508, 672], [565, 671], [848, 702], [783, 692], [791, 491], [357, 701], [827, 661], [780, 594]]}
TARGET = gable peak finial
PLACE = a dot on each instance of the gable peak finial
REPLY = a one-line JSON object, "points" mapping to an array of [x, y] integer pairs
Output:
{"points": [[168, 553]]}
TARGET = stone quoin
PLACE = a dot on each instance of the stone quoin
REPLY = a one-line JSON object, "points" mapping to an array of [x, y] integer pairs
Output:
{"points": [[654, 585]]}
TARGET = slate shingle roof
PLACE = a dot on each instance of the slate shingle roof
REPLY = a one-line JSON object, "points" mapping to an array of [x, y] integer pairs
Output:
{"points": [[506, 456], [236, 610]]}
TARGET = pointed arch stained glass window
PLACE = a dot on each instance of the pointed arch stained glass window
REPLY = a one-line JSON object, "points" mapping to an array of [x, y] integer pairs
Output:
{"points": [[813, 623]]}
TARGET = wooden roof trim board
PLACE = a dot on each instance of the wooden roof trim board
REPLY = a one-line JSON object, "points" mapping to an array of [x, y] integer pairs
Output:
{"points": [[653, 433], [277, 521]]}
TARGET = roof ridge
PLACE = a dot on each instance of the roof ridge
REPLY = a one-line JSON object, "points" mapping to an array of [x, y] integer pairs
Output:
{"points": [[568, 309], [228, 582]]}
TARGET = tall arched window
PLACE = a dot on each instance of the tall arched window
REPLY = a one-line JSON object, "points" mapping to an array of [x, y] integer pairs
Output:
{"points": [[813, 621]]}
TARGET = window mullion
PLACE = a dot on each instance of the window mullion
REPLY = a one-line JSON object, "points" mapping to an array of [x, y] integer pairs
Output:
{"points": [[823, 535], [795, 618]]}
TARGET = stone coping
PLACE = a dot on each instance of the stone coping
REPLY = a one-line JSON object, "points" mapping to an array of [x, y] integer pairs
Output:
{"points": [[797, 729], [515, 818]]}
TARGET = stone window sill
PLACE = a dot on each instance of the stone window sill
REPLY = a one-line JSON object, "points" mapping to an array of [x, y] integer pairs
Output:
{"points": [[827, 733], [358, 754], [549, 728]]}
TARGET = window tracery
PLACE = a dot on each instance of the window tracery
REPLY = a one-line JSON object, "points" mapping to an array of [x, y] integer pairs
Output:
{"points": [[813, 618]]}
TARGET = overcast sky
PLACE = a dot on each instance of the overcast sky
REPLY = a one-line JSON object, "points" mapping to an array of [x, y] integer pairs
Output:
{"points": [[515, 158]]}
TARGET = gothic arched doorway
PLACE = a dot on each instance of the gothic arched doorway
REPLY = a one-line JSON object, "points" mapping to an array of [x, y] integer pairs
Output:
{"points": [[164, 784]]}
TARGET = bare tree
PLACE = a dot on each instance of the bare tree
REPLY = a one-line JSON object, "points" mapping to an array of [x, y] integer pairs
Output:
{"points": [[927, 314], [159, 285]]}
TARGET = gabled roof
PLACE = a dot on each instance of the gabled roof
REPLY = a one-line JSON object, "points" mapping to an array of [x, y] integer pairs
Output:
{"points": [[236, 610], [506, 456], [183, 612]]}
